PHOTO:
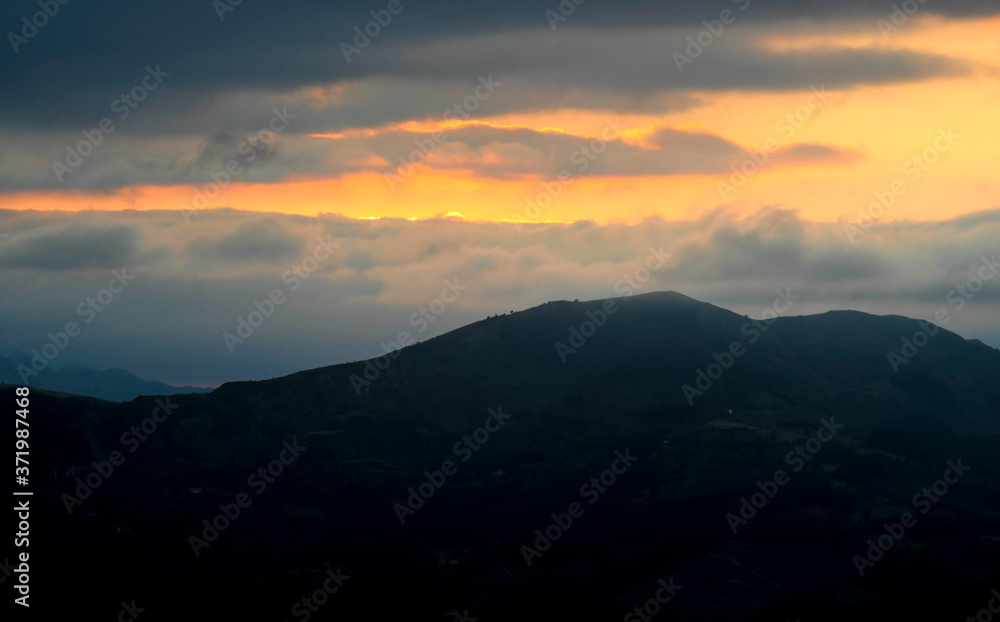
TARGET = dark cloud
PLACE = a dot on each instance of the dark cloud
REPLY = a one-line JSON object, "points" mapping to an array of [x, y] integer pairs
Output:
{"points": [[221, 148], [644, 61], [810, 153], [224, 75], [506, 153], [70, 247], [734, 254], [489, 152], [842, 265], [263, 242]]}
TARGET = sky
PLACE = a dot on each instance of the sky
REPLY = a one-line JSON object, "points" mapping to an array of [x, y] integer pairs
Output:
{"points": [[534, 151]]}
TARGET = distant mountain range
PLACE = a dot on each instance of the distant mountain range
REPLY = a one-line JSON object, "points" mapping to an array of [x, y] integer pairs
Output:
{"points": [[561, 463], [115, 385]]}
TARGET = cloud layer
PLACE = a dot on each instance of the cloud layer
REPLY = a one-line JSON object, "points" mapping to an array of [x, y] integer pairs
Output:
{"points": [[194, 280], [220, 76]]}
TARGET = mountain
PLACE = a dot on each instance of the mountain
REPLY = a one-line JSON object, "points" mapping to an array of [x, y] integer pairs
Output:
{"points": [[567, 462], [115, 385]]}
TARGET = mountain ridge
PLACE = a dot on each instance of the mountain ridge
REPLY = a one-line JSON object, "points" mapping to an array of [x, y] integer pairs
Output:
{"points": [[112, 384]]}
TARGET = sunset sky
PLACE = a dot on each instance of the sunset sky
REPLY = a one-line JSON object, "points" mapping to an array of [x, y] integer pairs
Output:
{"points": [[547, 153]]}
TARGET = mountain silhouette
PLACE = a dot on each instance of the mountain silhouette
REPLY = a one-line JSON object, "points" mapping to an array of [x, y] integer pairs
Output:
{"points": [[431, 477], [116, 385]]}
